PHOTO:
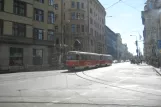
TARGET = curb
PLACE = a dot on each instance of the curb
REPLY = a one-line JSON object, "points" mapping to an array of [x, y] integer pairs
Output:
{"points": [[157, 71]]}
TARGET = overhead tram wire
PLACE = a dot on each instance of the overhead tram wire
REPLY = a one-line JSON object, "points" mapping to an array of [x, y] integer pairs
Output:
{"points": [[113, 4], [130, 6]]}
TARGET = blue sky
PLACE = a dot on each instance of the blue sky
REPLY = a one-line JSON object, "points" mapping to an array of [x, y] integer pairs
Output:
{"points": [[125, 20]]}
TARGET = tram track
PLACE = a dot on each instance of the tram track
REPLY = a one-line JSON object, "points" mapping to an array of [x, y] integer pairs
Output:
{"points": [[106, 83]]}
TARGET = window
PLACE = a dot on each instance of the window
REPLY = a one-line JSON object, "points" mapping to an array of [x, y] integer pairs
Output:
{"points": [[38, 34], [91, 21], [73, 15], [19, 29], [78, 5], [56, 17], [50, 35], [16, 57], [91, 31], [37, 56], [82, 16], [1, 5], [91, 11], [78, 28], [51, 17], [92, 42], [57, 41], [82, 28], [19, 8], [39, 15], [78, 15], [1, 27], [51, 2], [82, 5], [56, 28], [73, 28], [56, 6], [64, 16], [73, 4], [41, 1]]}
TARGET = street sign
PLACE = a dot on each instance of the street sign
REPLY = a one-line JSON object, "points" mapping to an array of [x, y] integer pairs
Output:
{"points": [[159, 44]]}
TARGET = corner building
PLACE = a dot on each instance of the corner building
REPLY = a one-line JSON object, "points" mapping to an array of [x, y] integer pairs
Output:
{"points": [[84, 20], [27, 29]]}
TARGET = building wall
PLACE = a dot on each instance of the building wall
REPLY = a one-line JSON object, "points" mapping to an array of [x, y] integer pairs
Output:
{"points": [[27, 42], [111, 42], [90, 41]]}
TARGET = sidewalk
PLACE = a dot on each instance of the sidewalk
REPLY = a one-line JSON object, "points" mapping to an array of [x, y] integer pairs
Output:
{"points": [[158, 70]]}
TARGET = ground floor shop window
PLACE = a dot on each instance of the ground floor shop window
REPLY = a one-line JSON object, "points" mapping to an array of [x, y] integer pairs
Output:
{"points": [[16, 57], [37, 56]]}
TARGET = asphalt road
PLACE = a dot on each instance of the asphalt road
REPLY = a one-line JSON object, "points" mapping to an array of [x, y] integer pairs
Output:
{"points": [[120, 85]]}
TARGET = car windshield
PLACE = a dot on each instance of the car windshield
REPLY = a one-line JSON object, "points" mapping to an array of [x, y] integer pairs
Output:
{"points": [[80, 53]]}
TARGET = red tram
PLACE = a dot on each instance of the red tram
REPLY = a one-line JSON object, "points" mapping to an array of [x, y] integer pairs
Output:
{"points": [[85, 60]]}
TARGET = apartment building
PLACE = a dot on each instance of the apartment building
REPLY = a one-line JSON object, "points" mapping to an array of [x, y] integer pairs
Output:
{"points": [[151, 20], [84, 20], [27, 32]]}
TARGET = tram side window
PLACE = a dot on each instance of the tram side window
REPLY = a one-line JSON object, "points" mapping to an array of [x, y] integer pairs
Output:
{"points": [[77, 57], [101, 57]]}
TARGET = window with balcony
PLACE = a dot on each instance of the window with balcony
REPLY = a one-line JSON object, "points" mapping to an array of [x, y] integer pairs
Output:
{"points": [[51, 2], [38, 34], [19, 29], [73, 4], [73, 28], [82, 5], [1, 5], [73, 15], [51, 17], [16, 56], [78, 5], [1, 27], [82, 28], [41, 1], [50, 35], [38, 15], [19, 8], [37, 56], [78, 28]]}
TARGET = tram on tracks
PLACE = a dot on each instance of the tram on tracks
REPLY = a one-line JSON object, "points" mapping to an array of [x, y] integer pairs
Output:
{"points": [[84, 60]]}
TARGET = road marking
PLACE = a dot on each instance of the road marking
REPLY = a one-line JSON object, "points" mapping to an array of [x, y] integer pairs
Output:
{"points": [[84, 93], [55, 101], [68, 98]]}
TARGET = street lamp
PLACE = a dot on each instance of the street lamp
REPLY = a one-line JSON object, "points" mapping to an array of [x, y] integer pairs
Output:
{"points": [[137, 49]]}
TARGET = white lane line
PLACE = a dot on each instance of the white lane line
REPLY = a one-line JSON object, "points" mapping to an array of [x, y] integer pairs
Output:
{"points": [[55, 101], [68, 98], [84, 93]]}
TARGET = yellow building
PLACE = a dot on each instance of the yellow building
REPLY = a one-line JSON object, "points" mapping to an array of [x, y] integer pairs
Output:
{"points": [[27, 29]]}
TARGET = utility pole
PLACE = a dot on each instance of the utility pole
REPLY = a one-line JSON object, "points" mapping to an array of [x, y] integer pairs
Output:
{"points": [[62, 34]]}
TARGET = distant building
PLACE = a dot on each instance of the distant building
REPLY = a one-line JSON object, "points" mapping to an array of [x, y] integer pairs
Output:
{"points": [[111, 42], [119, 46]]}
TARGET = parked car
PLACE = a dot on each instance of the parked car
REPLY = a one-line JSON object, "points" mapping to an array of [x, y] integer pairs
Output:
{"points": [[115, 61]]}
